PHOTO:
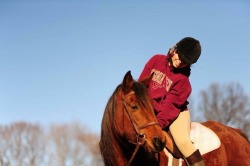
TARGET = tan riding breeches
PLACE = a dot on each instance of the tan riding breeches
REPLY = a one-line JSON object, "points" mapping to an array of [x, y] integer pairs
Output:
{"points": [[180, 130]]}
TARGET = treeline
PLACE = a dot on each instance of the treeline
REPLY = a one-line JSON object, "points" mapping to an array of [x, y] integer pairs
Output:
{"points": [[26, 144]]}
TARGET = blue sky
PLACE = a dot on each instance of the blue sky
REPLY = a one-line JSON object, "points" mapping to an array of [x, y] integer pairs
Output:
{"points": [[60, 61]]}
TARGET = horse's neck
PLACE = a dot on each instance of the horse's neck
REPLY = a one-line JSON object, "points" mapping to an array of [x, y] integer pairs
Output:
{"points": [[169, 142], [125, 152]]}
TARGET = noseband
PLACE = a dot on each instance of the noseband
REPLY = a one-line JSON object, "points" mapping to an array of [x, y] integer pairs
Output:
{"points": [[140, 136]]}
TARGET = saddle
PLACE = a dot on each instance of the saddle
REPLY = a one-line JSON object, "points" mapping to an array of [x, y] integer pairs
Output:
{"points": [[202, 137]]}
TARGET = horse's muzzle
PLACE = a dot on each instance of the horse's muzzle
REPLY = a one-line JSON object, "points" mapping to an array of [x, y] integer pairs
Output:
{"points": [[158, 144]]}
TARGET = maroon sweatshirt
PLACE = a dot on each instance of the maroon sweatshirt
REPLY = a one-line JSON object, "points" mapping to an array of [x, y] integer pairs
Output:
{"points": [[169, 88]]}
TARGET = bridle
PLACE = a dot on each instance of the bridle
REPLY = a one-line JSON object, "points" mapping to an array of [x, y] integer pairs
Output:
{"points": [[140, 136]]}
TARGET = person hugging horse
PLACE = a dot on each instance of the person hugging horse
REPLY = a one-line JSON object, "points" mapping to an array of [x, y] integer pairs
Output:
{"points": [[170, 88]]}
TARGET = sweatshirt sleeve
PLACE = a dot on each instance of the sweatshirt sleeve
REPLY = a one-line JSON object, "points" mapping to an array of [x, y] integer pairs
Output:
{"points": [[174, 102]]}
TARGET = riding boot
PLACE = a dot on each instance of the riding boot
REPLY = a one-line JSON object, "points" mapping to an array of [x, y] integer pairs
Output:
{"points": [[195, 159]]}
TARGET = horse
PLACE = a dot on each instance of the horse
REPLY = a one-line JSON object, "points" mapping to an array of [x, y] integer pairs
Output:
{"points": [[130, 133], [234, 147]]}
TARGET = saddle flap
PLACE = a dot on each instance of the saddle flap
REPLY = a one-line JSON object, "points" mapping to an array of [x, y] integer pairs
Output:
{"points": [[203, 138]]}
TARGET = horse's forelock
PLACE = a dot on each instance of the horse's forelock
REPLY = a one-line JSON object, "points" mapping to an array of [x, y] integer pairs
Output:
{"points": [[141, 93]]}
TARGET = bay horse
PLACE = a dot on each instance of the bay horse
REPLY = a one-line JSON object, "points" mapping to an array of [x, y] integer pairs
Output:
{"points": [[130, 133]]}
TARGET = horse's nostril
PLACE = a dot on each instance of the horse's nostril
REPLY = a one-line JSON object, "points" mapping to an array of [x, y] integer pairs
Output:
{"points": [[158, 144]]}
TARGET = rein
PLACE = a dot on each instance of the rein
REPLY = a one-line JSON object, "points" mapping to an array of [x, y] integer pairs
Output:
{"points": [[140, 136]]}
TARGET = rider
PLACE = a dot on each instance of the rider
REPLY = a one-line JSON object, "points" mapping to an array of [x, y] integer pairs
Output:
{"points": [[170, 88]]}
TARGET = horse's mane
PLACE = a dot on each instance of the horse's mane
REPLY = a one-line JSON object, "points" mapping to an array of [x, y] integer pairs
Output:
{"points": [[109, 134], [106, 147]]}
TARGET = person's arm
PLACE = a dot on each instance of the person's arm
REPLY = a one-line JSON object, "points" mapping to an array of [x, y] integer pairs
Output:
{"points": [[175, 100]]}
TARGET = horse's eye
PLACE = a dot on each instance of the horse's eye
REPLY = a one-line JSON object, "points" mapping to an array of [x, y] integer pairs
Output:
{"points": [[134, 107]]}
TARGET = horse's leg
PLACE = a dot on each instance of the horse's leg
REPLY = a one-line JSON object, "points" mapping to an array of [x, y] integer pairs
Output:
{"points": [[163, 160], [176, 162]]}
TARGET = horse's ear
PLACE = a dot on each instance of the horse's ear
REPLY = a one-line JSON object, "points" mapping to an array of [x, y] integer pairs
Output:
{"points": [[147, 79], [127, 82]]}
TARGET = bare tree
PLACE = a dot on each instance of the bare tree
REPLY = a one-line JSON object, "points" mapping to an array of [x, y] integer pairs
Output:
{"points": [[4, 144], [24, 144], [92, 142], [72, 145], [227, 104], [21, 144]]}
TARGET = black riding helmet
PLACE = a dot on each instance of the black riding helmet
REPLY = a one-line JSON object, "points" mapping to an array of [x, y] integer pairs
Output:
{"points": [[189, 50]]}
